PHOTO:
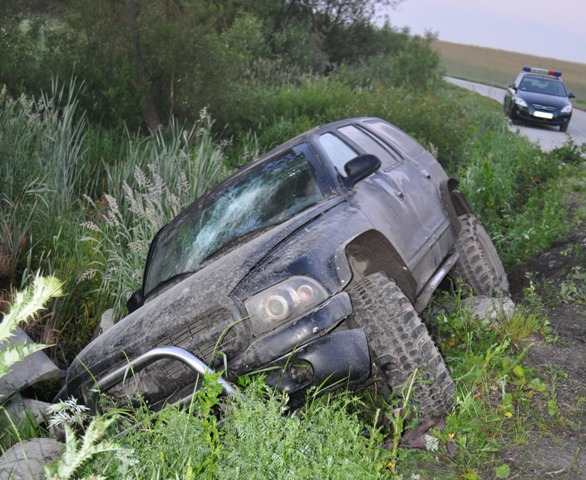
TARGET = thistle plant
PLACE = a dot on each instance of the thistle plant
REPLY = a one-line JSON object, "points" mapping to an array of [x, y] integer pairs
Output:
{"points": [[25, 306], [78, 451], [67, 412]]}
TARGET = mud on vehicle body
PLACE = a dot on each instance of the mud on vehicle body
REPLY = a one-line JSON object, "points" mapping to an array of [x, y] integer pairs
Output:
{"points": [[311, 264]]}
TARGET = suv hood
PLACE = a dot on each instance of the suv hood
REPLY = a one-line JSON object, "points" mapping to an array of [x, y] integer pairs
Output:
{"points": [[200, 295]]}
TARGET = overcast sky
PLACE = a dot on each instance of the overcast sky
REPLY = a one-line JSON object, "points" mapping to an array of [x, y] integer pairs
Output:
{"points": [[548, 28]]}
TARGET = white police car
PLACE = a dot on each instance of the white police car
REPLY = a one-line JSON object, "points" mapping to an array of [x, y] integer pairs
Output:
{"points": [[539, 96]]}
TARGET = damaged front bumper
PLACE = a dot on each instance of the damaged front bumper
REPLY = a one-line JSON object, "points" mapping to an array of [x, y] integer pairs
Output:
{"points": [[134, 366], [307, 352]]}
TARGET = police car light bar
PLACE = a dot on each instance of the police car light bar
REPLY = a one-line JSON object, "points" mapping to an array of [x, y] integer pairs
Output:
{"points": [[543, 71]]}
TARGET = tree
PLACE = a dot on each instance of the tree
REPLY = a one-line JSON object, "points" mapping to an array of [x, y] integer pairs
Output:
{"points": [[149, 109]]}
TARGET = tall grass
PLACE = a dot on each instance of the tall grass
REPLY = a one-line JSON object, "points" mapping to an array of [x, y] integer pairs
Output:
{"points": [[41, 146], [158, 176]]}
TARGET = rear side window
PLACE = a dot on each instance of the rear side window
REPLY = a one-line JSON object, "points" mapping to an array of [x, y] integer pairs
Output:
{"points": [[338, 151], [397, 137], [370, 145]]}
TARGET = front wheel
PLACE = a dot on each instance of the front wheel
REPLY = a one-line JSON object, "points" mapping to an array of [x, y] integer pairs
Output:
{"points": [[564, 128], [479, 265], [400, 343]]}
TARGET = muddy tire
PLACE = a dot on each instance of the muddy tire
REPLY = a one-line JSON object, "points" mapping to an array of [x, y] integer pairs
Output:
{"points": [[399, 343], [479, 266]]}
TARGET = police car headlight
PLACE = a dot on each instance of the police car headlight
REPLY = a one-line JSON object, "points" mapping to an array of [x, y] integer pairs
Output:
{"points": [[283, 302], [567, 109], [520, 102]]}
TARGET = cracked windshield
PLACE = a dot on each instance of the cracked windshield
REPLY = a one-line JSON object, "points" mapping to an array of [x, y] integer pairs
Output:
{"points": [[271, 195]]}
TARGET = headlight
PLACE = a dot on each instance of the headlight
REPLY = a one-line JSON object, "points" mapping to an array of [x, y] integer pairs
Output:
{"points": [[283, 302], [520, 102], [567, 109]]}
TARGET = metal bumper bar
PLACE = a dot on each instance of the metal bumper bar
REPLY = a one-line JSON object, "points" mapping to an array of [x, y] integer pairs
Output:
{"points": [[159, 353]]}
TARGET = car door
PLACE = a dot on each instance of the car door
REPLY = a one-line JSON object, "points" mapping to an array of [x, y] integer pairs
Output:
{"points": [[380, 197], [420, 176]]}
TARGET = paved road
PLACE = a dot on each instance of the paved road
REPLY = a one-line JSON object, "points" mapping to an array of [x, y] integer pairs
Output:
{"points": [[547, 137]]}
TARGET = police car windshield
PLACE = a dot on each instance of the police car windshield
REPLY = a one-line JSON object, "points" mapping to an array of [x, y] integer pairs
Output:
{"points": [[543, 85]]}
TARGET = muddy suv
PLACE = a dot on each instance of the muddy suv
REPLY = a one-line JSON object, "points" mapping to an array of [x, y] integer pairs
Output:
{"points": [[311, 265]]}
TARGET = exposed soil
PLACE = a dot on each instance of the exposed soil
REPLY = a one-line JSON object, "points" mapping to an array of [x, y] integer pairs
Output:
{"points": [[555, 445]]}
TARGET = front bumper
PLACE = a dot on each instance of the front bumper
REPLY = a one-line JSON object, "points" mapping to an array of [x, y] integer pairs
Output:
{"points": [[533, 115], [293, 335], [308, 353], [307, 341], [335, 360]]}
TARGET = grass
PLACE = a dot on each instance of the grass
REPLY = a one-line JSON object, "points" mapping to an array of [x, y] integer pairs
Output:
{"points": [[499, 67], [338, 435]]}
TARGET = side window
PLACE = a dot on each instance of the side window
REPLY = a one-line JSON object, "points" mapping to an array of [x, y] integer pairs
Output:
{"points": [[338, 151], [518, 80], [397, 137], [370, 145]]}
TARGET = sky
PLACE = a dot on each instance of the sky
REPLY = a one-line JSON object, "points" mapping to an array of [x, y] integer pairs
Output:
{"points": [[548, 28]]}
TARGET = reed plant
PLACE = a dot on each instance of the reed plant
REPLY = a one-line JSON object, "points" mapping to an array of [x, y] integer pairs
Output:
{"points": [[41, 146], [158, 176]]}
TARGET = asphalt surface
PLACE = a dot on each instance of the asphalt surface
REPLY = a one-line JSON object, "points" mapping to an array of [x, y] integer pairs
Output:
{"points": [[547, 137]]}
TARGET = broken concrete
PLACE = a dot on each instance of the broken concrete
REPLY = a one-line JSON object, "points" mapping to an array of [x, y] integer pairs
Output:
{"points": [[27, 460], [19, 408], [489, 308], [106, 321], [35, 368]]}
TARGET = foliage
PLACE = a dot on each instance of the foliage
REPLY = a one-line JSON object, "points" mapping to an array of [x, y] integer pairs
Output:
{"points": [[26, 305], [79, 451], [146, 62], [255, 438]]}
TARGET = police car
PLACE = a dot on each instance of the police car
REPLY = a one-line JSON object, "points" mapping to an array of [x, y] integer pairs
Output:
{"points": [[539, 96]]}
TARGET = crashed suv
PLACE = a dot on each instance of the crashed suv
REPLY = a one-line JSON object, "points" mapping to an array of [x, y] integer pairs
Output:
{"points": [[311, 265]]}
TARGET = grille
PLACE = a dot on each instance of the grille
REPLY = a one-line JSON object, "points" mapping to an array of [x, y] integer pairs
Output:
{"points": [[544, 108], [201, 338], [213, 331]]}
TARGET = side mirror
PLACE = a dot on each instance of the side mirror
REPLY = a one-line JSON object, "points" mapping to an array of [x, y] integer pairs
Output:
{"points": [[360, 167], [571, 95], [512, 86], [135, 301]]}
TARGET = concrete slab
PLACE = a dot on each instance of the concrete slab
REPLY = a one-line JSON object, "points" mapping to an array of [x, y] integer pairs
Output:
{"points": [[106, 321], [33, 369], [18, 408], [489, 308], [26, 460]]}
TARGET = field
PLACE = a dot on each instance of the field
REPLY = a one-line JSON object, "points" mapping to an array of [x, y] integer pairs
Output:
{"points": [[500, 67]]}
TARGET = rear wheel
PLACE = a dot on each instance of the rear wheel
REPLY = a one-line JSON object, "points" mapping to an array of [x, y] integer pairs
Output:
{"points": [[400, 343], [479, 265]]}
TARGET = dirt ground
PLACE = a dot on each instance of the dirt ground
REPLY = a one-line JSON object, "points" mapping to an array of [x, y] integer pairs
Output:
{"points": [[555, 446]]}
